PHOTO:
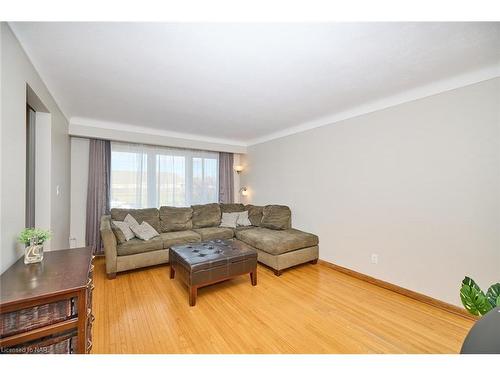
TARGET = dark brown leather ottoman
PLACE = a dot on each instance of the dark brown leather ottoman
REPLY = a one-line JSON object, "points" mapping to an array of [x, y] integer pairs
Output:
{"points": [[204, 263]]}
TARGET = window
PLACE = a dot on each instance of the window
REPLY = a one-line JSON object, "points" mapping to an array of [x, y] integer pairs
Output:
{"points": [[150, 176]]}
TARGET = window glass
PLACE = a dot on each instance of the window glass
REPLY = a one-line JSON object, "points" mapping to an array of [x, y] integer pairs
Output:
{"points": [[147, 176]]}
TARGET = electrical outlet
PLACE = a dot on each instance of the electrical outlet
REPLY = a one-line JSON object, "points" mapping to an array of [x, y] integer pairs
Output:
{"points": [[375, 258]]}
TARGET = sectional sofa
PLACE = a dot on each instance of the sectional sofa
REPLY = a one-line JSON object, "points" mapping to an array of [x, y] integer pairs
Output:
{"points": [[278, 245]]}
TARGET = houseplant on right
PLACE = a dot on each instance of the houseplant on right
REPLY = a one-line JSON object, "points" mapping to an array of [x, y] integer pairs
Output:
{"points": [[33, 239], [475, 300]]}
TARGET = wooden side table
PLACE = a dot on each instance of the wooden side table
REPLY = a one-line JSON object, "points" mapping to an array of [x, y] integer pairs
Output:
{"points": [[47, 307]]}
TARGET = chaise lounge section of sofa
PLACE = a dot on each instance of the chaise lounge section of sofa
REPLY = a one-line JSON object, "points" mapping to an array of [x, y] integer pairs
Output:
{"points": [[278, 245]]}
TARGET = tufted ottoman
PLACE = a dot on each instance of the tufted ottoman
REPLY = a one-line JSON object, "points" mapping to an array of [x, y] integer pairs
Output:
{"points": [[204, 263]]}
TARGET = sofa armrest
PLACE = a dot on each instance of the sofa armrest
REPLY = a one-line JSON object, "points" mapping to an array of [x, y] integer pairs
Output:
{"points": [[109, 242]]}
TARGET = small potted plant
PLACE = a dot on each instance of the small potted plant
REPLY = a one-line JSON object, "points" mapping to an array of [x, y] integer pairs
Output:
{"points": [[33, 239], [475, 300]]}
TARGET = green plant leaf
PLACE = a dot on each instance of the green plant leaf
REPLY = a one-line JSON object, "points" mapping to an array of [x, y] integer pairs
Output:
{"points": [[468, 281], [493, 294], [474, 300], [28, 234]]}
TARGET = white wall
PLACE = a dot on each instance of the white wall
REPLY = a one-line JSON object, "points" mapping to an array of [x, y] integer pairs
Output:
{"points": [[79, 180], [16, 72], [418, 184], [43, 168]]}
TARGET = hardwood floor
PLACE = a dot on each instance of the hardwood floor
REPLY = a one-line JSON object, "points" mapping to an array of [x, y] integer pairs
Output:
{"points": [[309, 309]]}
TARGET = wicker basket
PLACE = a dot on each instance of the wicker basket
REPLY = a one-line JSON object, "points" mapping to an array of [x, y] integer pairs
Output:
{"points": [[64, 343], [30, 318]]}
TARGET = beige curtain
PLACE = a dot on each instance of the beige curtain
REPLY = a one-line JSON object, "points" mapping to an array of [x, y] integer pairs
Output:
{"points": [[226, 178], [98, 191]]}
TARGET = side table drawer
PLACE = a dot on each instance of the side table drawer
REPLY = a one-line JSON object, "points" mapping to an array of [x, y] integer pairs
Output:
{"points": [[26, 319], [63, 343]]}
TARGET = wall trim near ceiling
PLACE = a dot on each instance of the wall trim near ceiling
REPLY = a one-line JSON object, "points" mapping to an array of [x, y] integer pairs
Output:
{"points": [[89, 128], [421, 92]]}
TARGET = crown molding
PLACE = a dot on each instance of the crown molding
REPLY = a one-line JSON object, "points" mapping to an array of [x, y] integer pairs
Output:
{"points": [[421, 92], [91, 128], [153, 131]]}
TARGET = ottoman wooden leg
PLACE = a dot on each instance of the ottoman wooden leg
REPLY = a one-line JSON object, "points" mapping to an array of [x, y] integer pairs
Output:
{"points": [[193, 291], [277, 272], [314, 261], [172, 272], [253, 277]]}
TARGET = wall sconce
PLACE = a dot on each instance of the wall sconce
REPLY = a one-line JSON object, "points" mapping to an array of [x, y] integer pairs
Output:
{"points": [[243, 191], [238, 168]]}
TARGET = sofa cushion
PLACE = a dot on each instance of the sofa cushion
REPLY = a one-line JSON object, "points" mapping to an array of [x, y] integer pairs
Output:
{"points": [[179, 238], [254, 214], [150, 215], [232, 207], [276, 217], [240, 228], [214, 233], [206, 215], [175, 218], [137, 246], [277, 241]]}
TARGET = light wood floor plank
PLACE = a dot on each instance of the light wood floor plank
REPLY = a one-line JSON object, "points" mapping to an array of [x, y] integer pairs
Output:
{"points": [[309, 309]]}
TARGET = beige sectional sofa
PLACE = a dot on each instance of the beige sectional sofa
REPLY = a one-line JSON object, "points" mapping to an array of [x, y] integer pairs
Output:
{"points": [[278, 245]]}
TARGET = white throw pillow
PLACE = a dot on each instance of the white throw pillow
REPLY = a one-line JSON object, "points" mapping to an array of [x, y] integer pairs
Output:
{"points": [[243, 220], [125, 228], [130, 220], [229, 219], [144, 231]]}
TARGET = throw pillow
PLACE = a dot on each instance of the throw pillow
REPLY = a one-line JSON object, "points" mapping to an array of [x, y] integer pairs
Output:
{"points": [[151, 215], [122, 231], [243, 220], [130, 220], [229, 219], [144, 231]]}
